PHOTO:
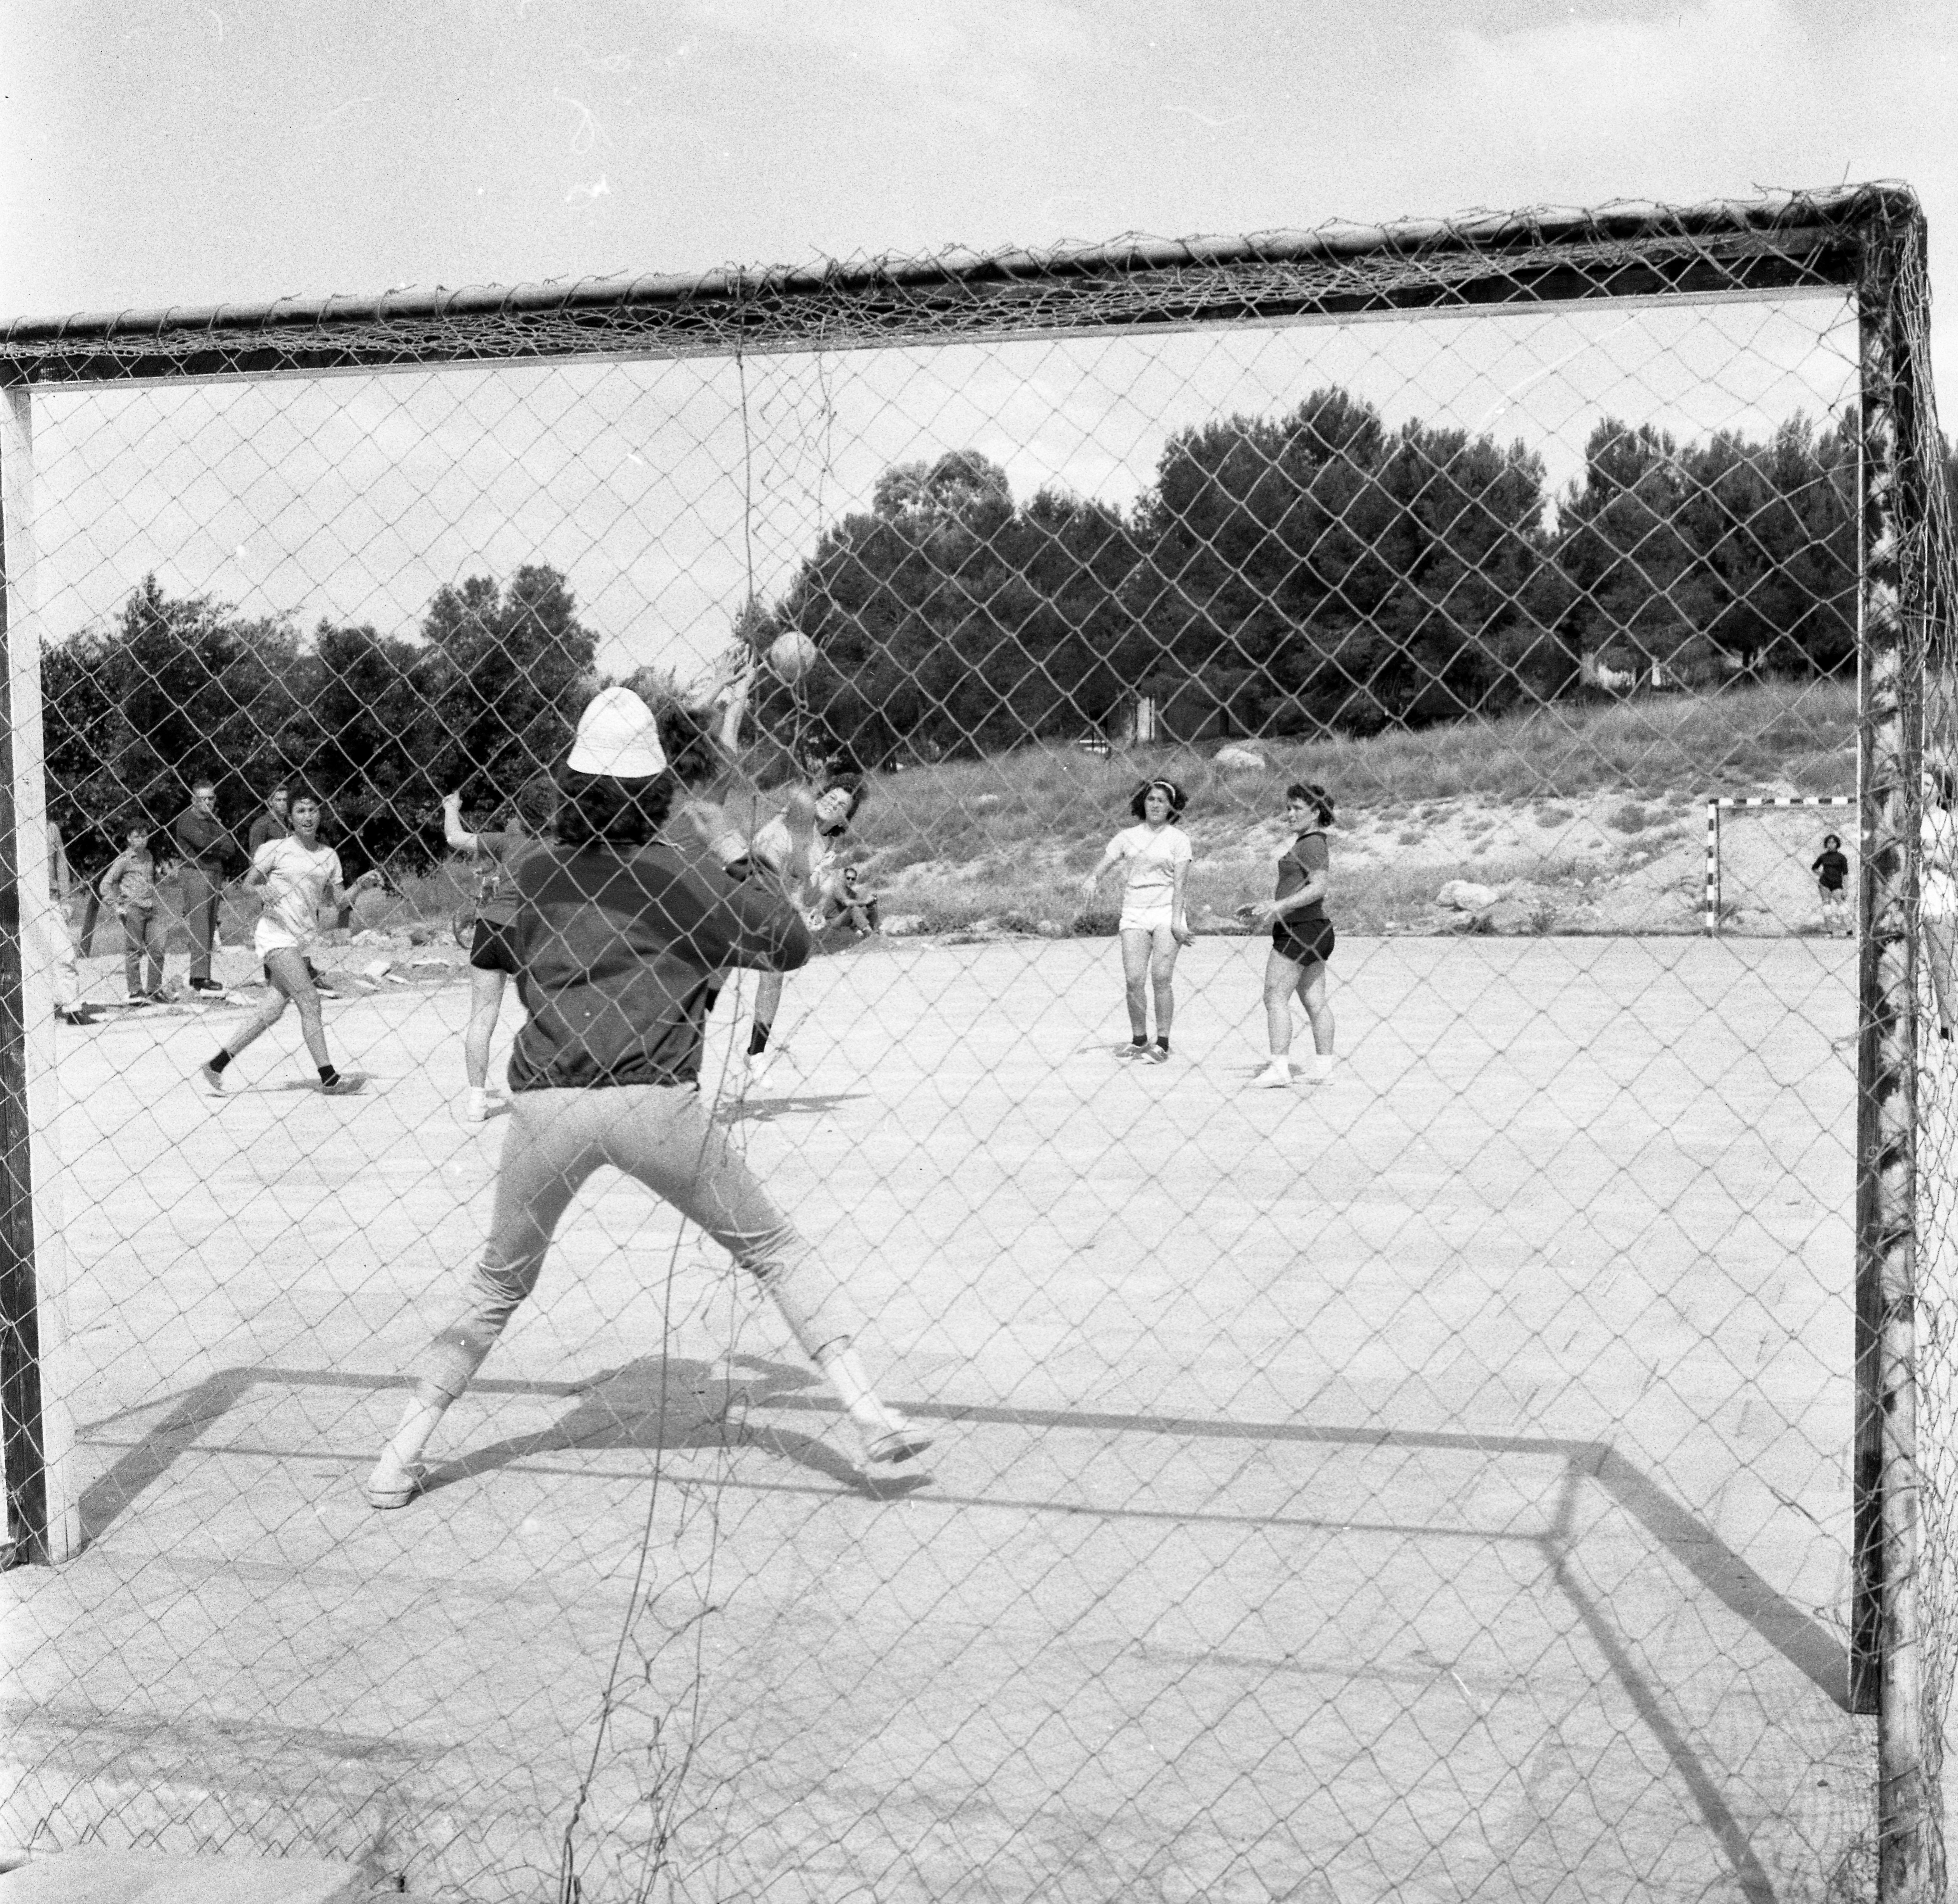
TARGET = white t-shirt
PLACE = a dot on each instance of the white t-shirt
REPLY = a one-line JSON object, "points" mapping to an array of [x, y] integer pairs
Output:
{"points": [[296, 882], [773, 844], [1938, 889], [1152, 859]]}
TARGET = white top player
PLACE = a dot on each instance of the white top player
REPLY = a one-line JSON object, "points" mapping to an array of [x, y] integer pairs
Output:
{"points": [[298, 875], [1937, 888], [799, 846], [1154, 925]]}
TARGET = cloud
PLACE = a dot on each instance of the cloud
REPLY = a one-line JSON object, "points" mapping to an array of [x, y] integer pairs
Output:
{"points": [[1726, 73], [1004, 54]]}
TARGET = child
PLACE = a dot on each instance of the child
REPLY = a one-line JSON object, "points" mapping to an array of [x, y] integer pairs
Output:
{"points": [[130, 886], [1831, 869], [1302, 937], [298, 875], [1157, 853]]}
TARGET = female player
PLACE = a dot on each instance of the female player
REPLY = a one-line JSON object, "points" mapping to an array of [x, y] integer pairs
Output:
{"points": [[1831, 868], [299, 876], [616, 940], [1153, 925], [799, 847], [1938, 889], [1302, 936], [491, 956]]}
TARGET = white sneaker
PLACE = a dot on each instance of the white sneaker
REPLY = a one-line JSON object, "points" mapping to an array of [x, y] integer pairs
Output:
{"points": [[1322, 1066], [1277, 1074], [213, 1081], [898, 1441], [392, 1485], [475, 1106]]}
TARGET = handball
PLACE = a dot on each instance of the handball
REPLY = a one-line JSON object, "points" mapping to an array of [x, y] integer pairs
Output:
{"points": [[792, 655]]}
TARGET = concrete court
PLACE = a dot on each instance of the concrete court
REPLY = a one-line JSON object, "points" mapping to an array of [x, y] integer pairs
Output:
{"points": [[1429, 1485]]}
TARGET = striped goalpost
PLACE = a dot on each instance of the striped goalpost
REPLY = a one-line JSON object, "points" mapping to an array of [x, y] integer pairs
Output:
{"points": [[1742, 803]]}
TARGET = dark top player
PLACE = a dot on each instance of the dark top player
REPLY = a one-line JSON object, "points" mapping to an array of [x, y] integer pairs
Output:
{"points": [[1302, 936], [1831, 868], [492, 952], [617, 939]]}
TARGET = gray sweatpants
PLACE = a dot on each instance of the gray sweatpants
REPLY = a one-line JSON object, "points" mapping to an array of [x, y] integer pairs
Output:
{"points": [[662, 1135]]}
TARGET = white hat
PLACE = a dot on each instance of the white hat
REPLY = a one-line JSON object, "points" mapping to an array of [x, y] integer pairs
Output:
{"points": [[617, 734]]}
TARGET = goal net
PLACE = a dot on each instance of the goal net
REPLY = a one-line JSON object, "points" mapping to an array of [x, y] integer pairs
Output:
{"points": [[1430, 1356], [1778, 872]]}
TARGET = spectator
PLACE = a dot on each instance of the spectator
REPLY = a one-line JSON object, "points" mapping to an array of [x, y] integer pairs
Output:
{"points": [[273, 824], [68, 1008], [130, 886], [207, 850]]}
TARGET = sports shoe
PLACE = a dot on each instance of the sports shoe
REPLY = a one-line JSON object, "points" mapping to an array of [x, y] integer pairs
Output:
{"points": [[900, 1441], [159, 997], [212, 1080], [342, 1086], [391, 1486], [475, 1107], [1158, 1053], [205, 984], [1132, 1050], [1277, 1074]]}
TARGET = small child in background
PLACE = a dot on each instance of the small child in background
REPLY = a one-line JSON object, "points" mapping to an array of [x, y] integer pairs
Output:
{"points": [[130, 886], [1831, 868]]}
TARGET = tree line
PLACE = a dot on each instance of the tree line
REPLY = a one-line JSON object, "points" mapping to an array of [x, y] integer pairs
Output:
{"points": [[1313, 571], [1320, 571], [378, 725]]}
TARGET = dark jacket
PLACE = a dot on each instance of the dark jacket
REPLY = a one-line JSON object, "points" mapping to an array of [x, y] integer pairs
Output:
{"points": [[614, 952], [267, 826], [203, 842]]}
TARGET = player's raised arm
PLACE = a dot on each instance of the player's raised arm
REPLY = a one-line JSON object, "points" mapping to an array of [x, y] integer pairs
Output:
{"points": [[458, 837]]}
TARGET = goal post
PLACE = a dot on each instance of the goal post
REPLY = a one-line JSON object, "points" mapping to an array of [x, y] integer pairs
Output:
{"points": [[1724, 804], [1057, 534]]}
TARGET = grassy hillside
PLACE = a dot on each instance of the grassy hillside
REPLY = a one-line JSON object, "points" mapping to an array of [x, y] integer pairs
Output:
{"points": [[1560, 798], [1594, 814]]}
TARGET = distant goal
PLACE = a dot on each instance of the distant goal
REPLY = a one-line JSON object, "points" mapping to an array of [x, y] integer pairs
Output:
{"points": [[1747, 803]]}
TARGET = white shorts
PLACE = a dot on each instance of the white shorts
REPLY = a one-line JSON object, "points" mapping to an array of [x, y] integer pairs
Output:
{"points": [[267, 938], [1156, 919]]}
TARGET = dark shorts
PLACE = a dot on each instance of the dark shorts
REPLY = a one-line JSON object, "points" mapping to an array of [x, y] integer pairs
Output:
{"points": [[492, 948], [1306, 942]]}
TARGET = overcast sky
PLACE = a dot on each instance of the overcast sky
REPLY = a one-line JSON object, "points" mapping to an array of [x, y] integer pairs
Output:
{"points": [[173, 151]]}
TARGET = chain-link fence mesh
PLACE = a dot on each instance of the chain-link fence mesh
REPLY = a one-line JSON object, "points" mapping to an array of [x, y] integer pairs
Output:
{"points": [[1391, 1382]]}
